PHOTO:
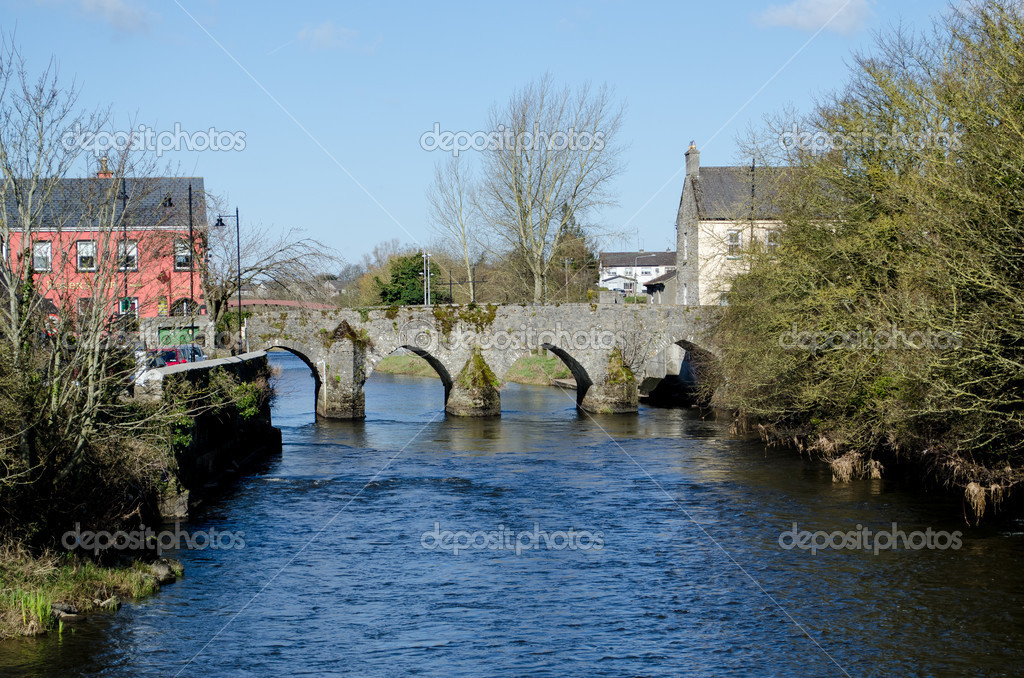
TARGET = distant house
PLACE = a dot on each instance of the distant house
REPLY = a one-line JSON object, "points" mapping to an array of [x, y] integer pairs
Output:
{"points": [[723, 211], [627, 271], [334, 287]]}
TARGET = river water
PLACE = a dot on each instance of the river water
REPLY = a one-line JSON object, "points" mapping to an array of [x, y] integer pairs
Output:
{"points": [[648, 545]]}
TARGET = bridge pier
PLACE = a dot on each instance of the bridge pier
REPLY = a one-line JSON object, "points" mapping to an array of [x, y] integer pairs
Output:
{"points": [[474, 392], [613, 391], [340, 383]]}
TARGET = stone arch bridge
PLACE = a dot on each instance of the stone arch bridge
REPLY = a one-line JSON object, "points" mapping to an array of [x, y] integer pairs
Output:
{"points": [[612, 350]]}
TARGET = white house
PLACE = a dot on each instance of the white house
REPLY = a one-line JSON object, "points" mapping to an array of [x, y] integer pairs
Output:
{"points": [[628, 271], [723, 211]]}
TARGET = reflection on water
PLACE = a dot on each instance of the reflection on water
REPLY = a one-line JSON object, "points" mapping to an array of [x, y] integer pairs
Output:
{"points": [[691, 580]]}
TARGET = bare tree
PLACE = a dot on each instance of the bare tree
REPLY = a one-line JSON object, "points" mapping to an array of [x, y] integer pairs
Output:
{"points": [[455, 214], [553, 164], [281, 260], [62, 363]]}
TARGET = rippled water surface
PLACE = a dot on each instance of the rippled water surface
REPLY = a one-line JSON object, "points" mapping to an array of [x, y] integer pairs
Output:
{"points": [[689, 579]]}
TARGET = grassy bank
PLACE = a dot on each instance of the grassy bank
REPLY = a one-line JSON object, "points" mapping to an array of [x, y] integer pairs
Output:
{"points": [[30, 587], [533, 369]]}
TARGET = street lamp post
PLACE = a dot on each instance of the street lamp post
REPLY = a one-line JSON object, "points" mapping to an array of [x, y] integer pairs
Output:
{"points": [[426, 278], [124, 241], [567, 261], [636, 271], [191, 274], [238, 270]]}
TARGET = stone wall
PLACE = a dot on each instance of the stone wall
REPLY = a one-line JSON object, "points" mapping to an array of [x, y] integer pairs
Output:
{"points": [[221, 438]]}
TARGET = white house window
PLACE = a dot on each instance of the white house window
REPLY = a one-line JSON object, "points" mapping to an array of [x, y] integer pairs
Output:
{"points": [[645, 271], [128, 255], [734, 241], [85, 255], [723, 299], [182, 256], [42, 256], [771, 241]]}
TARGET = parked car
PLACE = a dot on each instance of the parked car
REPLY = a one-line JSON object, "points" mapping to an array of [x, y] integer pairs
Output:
{"points": [[176, 355]]}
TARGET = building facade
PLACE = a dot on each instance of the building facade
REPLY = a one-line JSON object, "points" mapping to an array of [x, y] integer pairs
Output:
{"points": [[723, 212], [627, 272], [135, 244]]}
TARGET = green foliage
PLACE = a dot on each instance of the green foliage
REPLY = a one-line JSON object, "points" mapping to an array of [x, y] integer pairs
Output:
{"points": [[897, 238], [229, 323], [249, 399], [405, 287]]}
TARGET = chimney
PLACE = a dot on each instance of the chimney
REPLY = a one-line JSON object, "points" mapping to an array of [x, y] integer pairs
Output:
{"points": [[104, 173], [692, 161]]}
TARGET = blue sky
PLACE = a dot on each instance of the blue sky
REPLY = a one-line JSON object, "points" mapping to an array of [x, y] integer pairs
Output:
{"points": [[333, 97]]}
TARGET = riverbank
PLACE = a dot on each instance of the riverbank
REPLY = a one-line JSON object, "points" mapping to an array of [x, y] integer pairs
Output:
{"points": [[534, 370], [48, 592], [187, 430]]}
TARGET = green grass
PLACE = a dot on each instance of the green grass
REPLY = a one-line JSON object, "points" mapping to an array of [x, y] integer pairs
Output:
{"points": [[537, 369], [30, 584], [405, 364], [533, 369]]}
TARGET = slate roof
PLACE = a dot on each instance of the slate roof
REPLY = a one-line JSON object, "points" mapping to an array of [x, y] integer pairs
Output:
{"points": [[724, 193], [153, 202], [661, 279], [615, 259]]}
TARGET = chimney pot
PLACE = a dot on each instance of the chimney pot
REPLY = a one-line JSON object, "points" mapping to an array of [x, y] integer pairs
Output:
{"points": [[104, 173]]}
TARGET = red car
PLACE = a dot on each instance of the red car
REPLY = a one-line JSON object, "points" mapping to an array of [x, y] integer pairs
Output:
{"points": [[177, 355]]}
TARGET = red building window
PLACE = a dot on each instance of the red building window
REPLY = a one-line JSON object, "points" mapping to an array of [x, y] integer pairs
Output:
{"points": [[85, 255], [128, 255], [182, 256], [42, 256]]}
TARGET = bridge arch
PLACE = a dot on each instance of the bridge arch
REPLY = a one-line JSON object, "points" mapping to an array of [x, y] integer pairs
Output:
{"points": [[579, 373], [439, 367], [300, 353], [674, 375]]}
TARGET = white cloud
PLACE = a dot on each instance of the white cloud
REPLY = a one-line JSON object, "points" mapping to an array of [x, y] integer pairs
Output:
{"points": [[841, 16], [123, 15], [328, 36]]}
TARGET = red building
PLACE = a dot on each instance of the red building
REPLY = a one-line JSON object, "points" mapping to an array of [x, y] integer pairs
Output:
{"points": [[125, 242]]}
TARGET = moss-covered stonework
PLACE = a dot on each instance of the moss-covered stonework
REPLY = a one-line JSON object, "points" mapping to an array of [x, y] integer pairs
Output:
{"points": [[475, 390]]}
